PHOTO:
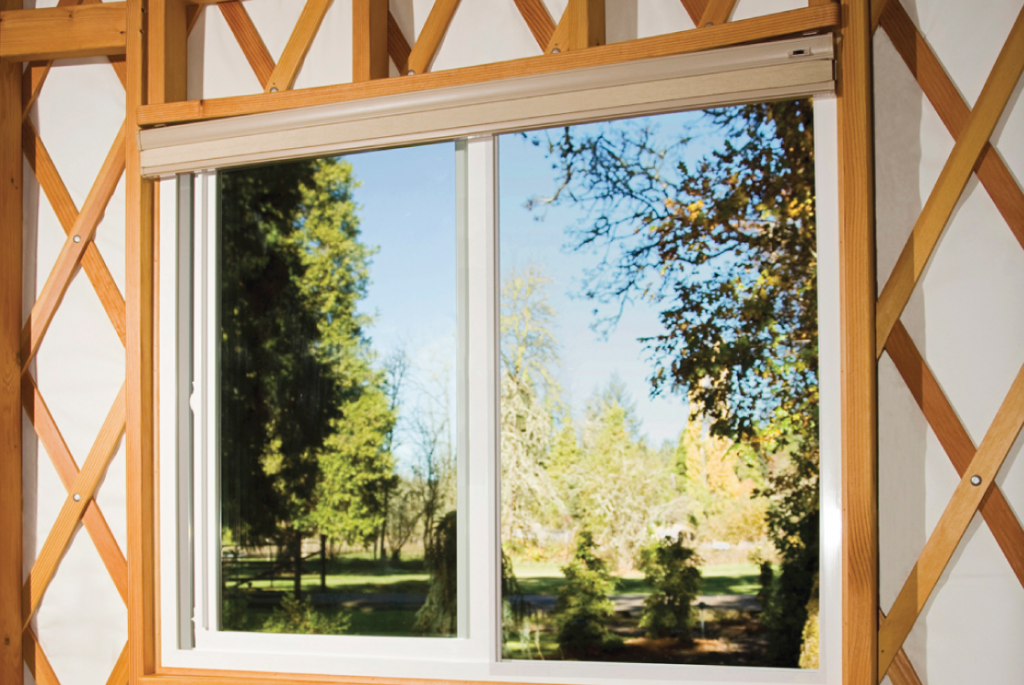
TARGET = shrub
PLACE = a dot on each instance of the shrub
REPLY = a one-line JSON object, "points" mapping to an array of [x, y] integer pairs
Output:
{"points": [[583, 607], [439, 613], [299, 616], [672, 570]]}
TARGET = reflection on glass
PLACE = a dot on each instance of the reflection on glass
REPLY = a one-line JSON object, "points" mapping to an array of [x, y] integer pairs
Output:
{"points": [[337, 405], [659, 393]]}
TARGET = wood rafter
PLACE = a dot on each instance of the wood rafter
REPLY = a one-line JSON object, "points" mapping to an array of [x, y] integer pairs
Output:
{"points": [[71, 254], [306, 28], [80, 495], [802, 20], [431, 36], [537, 17], [35, 658], [950, 185], [901, 672], [973, 487], [87, 30]]}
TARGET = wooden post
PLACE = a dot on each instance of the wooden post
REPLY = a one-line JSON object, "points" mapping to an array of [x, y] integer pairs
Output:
{"points": [[11, 668], [369, 40], [139, 438], [857, 273]]}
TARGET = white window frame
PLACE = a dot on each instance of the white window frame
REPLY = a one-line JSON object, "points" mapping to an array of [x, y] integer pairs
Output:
{"points": [[189, 559]]}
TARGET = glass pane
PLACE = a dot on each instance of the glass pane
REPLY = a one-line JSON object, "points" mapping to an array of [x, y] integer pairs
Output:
{"points": [[659, 393], [337, 394]]}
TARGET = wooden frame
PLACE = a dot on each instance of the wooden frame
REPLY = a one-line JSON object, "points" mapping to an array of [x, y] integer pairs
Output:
{"points": [[154, 71]]}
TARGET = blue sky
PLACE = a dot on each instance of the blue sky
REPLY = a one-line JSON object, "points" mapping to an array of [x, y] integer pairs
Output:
{"points": [[407, 208]]}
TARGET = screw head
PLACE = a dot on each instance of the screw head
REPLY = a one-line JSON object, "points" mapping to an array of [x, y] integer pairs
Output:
{"points": [[975, 480], [555, 51], [77, 238], [411, 72], [76, 497]]}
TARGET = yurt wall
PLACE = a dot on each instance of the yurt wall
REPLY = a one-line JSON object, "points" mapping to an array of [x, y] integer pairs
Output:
{"points": [[949, 233]]}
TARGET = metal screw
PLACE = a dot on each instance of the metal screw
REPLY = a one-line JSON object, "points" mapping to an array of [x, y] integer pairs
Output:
{"points": [[76, 497], [411, 72], [273, 89], [975, 480], [710, 23], [555, 51], [77, 238]]}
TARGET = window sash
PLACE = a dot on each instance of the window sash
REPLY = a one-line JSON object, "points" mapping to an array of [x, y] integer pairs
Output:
{"points": [[475, 654]]}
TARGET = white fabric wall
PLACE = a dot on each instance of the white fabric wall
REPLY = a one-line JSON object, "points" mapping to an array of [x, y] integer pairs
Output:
{"points": [[967, 316]]}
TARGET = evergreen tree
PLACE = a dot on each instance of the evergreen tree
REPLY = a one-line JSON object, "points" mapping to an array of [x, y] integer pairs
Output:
{"points": [[584, 608]]}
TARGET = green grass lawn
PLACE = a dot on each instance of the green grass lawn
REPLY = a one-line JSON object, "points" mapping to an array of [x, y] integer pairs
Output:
{"points": [[545, 578]]}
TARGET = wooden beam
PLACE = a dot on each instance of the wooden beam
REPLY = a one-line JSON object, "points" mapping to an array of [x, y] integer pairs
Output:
{"points": [[953, 437], [431, 36], [581, 26], [294, 54], [62, 32], [857, 313], [11, 668], [794, 22], [119, 674], [954, 111], [717, 12], [951, 183], [249, 39], [877, 10], [537, 17], [975, 484], [140, 425], [398, 46], [168, 49], [369, 40]]}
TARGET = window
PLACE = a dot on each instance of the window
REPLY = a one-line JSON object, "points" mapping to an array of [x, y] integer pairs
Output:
{"points": [[466, 272]]}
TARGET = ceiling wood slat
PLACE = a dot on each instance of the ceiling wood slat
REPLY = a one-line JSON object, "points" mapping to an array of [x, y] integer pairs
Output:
{"points": [[294, 54]]}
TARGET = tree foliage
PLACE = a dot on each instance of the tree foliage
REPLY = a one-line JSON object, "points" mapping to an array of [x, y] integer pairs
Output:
{"points": [[302, 409], [584, 606], [672, 569], [725, 245]]}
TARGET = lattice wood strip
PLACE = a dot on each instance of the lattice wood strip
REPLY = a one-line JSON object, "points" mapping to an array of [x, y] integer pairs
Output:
{"points": [[74, 248], [64, 207], [582, 25], [951, 526], [431, 35], [695, 8], [537, 17], [35, 658], [954, 111], [83, 488], [93, 520], [119, 674], [294, 54], [249, 39], [901, 672], [398, 46], [935, 406], [717, 12], [999, 86]]}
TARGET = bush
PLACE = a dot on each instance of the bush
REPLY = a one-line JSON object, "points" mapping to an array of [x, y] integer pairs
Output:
{"points": [[672, 570], [299, 616], [583, 607], [439, 613]]}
